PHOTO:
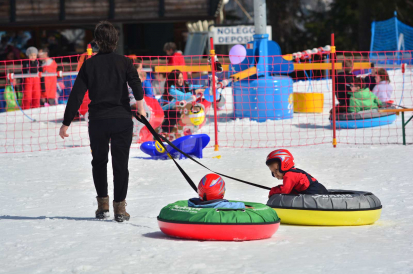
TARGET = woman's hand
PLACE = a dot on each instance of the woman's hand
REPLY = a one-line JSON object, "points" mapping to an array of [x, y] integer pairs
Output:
{"points": [[62, 131], [140, 109], [141, 112]]}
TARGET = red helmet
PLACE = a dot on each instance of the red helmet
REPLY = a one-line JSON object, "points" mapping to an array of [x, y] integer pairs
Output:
{"points": [[284, 157], [211, 187]]}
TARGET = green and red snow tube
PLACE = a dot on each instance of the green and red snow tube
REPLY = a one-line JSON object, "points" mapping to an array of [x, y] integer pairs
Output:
{"points": [[214, 224]]}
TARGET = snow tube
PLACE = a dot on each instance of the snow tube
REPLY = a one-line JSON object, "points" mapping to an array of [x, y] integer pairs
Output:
{"points": [[214, 224], [364, 119], [338, 208]]}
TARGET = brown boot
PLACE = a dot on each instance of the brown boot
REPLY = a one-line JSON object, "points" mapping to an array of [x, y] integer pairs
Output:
{"points": [[103, 207], [120, 211]]}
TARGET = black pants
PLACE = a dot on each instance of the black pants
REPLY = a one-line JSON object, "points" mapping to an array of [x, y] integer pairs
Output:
{"points": [[119, 133], [50, 101]]}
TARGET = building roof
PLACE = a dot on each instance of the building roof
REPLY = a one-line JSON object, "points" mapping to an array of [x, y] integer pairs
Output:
{"points": [[44, 12]]}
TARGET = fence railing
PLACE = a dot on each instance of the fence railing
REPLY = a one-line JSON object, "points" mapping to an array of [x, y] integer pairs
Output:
{"points": [[288, 103]]}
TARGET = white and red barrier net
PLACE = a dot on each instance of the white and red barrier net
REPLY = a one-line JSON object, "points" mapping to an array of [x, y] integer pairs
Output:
{"points": [[255, 114]]}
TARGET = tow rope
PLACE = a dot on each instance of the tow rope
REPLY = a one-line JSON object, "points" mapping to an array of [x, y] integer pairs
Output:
{"points": [[162, 139]]}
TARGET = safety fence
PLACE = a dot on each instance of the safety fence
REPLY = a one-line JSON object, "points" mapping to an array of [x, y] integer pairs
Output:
{"points": [[262, 101]]}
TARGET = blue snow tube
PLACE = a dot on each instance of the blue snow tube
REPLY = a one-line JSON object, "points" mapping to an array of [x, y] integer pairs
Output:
{"points": [[364, 119]]}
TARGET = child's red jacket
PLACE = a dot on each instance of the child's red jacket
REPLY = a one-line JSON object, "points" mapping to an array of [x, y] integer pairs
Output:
{"points": [[297, 181]]}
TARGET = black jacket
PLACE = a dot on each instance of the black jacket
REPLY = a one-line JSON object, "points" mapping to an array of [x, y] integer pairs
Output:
{"points": [[343, 82], [370, 82], [29, 66], [106, 76]]}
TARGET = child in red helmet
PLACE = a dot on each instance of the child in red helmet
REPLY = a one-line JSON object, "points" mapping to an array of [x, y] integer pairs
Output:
{"points": [[295, 181], [211, 191]]}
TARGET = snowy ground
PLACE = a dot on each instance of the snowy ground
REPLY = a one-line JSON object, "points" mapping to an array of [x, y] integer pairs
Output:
{"points": [[47, 225]]}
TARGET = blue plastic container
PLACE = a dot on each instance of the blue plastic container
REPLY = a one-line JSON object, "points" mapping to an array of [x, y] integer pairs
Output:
{"points": [[264, 98], [2, 101]]}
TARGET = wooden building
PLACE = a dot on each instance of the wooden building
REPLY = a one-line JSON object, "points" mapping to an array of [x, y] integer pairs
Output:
{"points": [[145, 24]]}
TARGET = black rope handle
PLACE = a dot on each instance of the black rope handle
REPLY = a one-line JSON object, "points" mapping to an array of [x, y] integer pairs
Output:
{"points": [[158, 137]]}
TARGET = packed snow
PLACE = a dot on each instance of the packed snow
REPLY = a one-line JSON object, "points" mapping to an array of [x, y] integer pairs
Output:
{"points": [[48, 199], [48, 204]]}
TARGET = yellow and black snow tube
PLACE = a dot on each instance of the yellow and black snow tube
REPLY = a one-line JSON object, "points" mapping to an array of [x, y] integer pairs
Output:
{"points": [[338, 208]]}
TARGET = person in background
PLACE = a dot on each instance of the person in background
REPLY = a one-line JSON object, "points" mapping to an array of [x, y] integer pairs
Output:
{"points": [[49, 83], [158, 85], [362, 98], [142, 75], [146, 85], [343, 81], [175, 57], [31, 89], [383, 89], [176, 90], [370, 80]]}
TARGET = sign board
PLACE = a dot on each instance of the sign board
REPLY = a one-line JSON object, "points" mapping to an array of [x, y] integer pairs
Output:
{"points": [[232, 35]]}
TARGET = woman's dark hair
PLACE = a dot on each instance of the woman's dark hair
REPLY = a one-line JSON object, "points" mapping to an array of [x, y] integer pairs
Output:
{"points": [[169, 46], [348, 65], [171, 80], [384, 76], [106, 36]]}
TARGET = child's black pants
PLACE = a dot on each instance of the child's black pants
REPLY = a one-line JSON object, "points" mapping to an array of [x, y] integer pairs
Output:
{"points": [[119, 133]]}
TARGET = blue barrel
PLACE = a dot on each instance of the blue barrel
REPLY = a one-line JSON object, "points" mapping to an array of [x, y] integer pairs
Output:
{"points": [[264, 98], [3, 104]]}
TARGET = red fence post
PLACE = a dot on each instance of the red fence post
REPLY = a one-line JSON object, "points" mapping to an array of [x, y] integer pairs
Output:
{"points": [[212, 55], [333, 76]]}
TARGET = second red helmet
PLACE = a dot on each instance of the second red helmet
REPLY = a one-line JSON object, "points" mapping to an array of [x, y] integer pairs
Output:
{"points": [[211, 187], [284, 157]]}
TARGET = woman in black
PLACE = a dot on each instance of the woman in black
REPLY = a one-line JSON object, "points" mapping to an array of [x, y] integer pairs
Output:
{"points": [[107, 76]]}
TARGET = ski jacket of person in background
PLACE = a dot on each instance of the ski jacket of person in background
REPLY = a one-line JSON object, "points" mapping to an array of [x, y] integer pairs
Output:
{"points": [[383, 91], [343, 82], [176, 92], [49, 82], [177, 59], [31, 66], [363, 99]]}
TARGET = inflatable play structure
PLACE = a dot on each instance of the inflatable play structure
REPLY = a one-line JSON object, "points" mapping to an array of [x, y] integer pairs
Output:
{"points": [[364, 119], [213, 224], [155, 116], [338, 208], [191, 144]]}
